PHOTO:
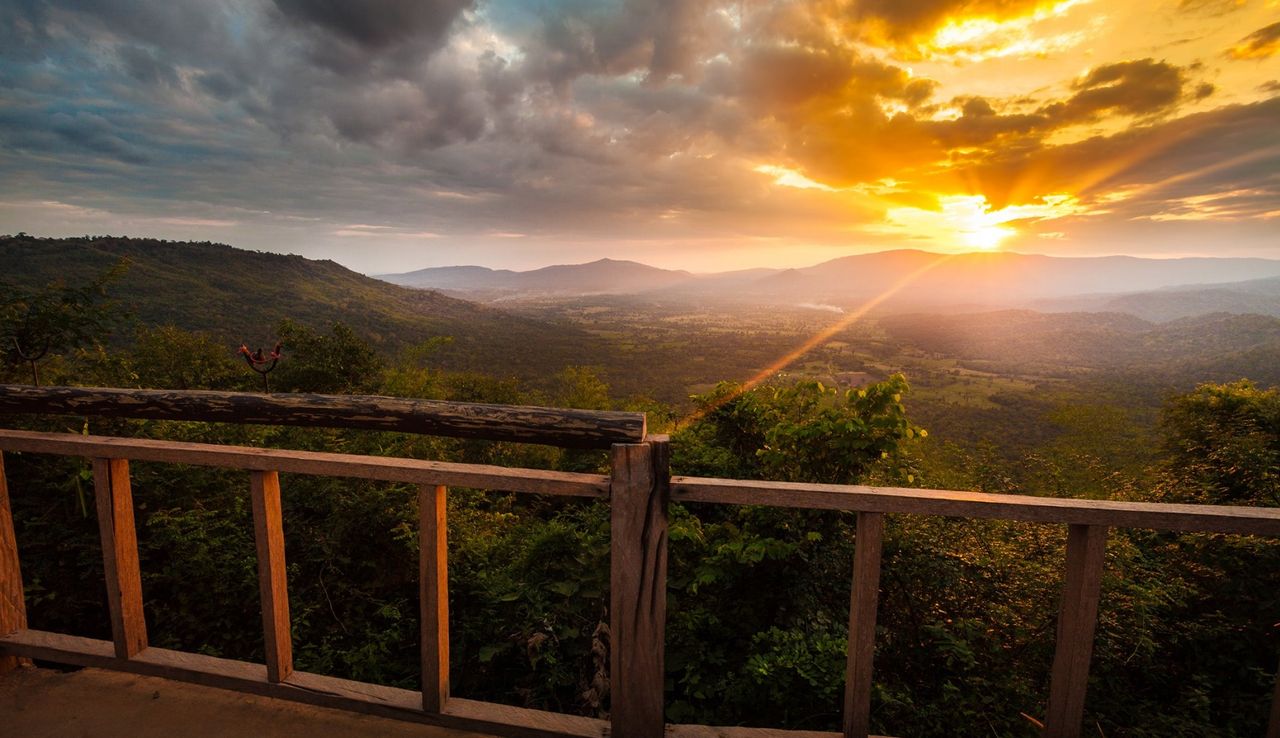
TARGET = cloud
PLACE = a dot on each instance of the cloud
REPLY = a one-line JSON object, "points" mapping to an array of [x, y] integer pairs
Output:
{"points": [[1210, 7], [1140, 87], [910, 20], [1135, 172], [378, 24], [1261, 44], [651, 120]]}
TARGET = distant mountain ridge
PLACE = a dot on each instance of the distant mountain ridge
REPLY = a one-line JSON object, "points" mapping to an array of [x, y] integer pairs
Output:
{"points": [[603, 276], [910, 278]]}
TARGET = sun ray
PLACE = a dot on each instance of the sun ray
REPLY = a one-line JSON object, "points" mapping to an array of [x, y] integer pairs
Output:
{"points": [[816, 340]]}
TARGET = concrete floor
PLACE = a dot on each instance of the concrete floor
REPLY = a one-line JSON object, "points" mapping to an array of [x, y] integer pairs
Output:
{"points": [[92, 703]]}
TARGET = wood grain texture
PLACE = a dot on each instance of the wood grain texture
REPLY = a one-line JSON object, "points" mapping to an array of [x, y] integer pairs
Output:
{"points": [[554, 426], [382, 468], [858, 498], [864, 598], [433, 582], [1069, 679], [273, 583], [13, 606], [114, 498], [311, 689], [638, 588]]}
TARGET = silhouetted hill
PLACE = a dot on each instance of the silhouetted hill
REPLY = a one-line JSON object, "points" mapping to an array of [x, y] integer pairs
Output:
{"points": [[912, 279], [604, 276], [242, 295]]}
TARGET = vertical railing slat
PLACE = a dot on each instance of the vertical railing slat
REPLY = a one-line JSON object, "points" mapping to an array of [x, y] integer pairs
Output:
{"points": [[433, 581], [638, 493], [863, 601], [1273, 727], [273, 581], [1086, 549], [13, 606], [120, 555]]}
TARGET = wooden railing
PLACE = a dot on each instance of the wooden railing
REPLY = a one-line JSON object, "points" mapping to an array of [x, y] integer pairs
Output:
{"points": [[639, 490]]}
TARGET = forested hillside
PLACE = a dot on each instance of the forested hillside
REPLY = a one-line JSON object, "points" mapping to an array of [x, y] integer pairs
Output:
{"points": [[237, 295]]}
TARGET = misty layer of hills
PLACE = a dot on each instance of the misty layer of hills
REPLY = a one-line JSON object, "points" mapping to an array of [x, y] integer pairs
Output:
{"points": [[663, 346], [1154, 289]]}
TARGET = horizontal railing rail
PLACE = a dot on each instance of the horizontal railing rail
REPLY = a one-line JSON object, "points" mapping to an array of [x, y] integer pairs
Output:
{"points": [[639, 490], [1263, 521], [523, 423], [252, 458]]}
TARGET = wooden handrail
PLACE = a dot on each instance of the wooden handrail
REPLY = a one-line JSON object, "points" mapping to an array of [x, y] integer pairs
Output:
{"points": [[639, 490], [528, 424], [1027, 508], [381, 468]]}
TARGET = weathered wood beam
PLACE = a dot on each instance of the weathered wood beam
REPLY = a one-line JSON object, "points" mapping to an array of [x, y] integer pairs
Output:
{"points": [[1081, 591], [864, 598], [551, 426], [433, 583], [268, 536], [13, 606], [114, 498], [638, 587]]}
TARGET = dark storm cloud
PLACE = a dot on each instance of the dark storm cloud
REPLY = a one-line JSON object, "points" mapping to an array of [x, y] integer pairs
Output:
{"points": [[662, 38], [378, 24]]}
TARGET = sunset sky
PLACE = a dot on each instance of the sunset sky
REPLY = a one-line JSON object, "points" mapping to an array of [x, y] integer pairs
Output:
{"points": [[391, 135]]}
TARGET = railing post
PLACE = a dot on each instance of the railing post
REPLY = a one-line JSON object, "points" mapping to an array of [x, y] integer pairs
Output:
{"points": [[863, 600], [273, 583], [433, 582], [1273, 726], [1086, 547], [638, 493], [13, 606], [120, 555]]}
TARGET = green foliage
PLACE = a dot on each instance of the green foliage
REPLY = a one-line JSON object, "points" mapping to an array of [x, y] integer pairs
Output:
{"points": [[801, 432], [168, 357], [1223, 443], [38, 321], [339, 362]]}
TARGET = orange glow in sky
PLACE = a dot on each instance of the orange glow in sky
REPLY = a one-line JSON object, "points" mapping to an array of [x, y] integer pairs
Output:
{"points": [[706, 136]]}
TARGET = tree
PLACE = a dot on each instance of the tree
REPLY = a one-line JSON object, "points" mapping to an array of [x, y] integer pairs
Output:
{"points": [[335, 362], [35, 323], [171, 358], [1223, 444], [802, 432]]}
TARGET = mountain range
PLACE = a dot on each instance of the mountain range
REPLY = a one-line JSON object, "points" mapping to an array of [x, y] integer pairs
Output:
{"points": [[1157, 289]]}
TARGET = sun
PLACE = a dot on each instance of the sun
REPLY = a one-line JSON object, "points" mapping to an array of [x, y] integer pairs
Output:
{"points": [[970, 223], [985, 237]]}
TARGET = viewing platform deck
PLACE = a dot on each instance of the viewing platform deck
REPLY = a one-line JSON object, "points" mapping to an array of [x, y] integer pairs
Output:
{"points": [[97, 703]]}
